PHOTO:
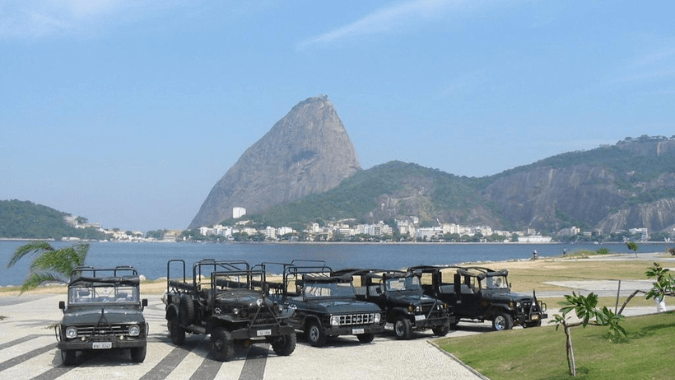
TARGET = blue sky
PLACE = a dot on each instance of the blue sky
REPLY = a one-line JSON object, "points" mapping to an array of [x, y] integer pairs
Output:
{"points": [[128, 112]]}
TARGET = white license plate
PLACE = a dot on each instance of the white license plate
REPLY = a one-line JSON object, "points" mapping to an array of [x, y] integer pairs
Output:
{"points": [[535, 317], [420, 317], [358, 331], [264, 332], [101, 345]]}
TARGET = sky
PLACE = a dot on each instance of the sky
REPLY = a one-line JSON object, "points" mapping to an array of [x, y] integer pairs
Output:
{"points": [[128, 112]]}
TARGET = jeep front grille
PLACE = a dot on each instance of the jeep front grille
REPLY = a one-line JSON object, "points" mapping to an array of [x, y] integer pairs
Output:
{"points": [[264, 317], [356, 319], [89, 331]]}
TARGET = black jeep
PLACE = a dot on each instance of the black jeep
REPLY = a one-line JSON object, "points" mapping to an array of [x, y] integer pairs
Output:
{"points": [[400, 296], [480, 293], [230, 304], [104, 311], [325, 306]]}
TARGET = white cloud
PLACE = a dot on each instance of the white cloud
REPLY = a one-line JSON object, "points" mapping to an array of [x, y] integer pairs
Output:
{"points": [[387, 19], [45, 18]]}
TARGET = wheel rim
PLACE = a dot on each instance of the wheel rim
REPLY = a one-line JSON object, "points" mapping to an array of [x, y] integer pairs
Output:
{"points": [[313, 333], [500, 322], [399, 328], [218, 344]]}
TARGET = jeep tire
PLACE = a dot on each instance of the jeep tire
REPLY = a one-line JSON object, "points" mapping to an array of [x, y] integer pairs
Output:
{"points": [[402, 328], [284, 345], [223, 344], [315, 336], [138, 354], [366, 338], [176, 332], [502, 321], [186, 310], [440, 331], [68, 357]]}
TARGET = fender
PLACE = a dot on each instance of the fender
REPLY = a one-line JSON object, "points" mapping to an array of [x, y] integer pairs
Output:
{"points": [[396, 311], [171, 310], [310, 317]]}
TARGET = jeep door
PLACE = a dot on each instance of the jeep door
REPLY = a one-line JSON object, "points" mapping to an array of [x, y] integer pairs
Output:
{"points": [[469, 297]]}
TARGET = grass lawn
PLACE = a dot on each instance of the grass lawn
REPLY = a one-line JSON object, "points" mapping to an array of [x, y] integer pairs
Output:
{"points": [[539, 353]]}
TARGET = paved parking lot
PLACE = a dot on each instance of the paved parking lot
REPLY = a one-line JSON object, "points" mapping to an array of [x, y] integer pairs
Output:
{"points": [[28, 351]]}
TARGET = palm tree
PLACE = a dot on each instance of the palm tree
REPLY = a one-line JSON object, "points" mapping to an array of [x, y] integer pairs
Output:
{"points": [[49, 264]]}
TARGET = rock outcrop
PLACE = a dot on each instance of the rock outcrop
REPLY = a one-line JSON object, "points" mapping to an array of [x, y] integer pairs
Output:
{"points": [[306, 152]]}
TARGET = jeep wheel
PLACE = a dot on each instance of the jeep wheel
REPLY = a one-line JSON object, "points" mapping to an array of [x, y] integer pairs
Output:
{"points": [[366, 338], [284, 345], [222, 344], [186, 310], [138, 354], [403, 328], [440, 331], [68, 357], [315, 336], [176, 332], [502, 321]]}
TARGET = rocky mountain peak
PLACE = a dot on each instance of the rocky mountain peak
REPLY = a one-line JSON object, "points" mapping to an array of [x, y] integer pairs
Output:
{"points": [[308, 151]]}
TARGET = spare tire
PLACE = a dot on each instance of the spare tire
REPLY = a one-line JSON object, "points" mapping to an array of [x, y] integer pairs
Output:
{"points": [[187, 310]]}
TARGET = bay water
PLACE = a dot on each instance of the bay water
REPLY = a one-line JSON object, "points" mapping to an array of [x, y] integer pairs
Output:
{"points": [[151, 258]]}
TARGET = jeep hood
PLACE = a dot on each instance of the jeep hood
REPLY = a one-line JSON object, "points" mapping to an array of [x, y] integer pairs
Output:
{"points": [[410, 299], [345, 306], [112, 315], [240, 298], [505, 296]]}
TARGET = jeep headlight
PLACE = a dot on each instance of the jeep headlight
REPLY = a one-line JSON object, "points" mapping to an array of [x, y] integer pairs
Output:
{"points": [[376, 318], [335, 320], [71, 332], [411, 308], [134, 330], [259, 302], [512, 304]]}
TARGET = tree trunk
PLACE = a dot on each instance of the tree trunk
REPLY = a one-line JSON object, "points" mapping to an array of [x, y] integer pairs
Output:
{"points": [[570, 352]]}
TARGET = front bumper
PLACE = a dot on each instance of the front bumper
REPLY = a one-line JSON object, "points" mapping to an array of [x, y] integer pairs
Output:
{"points": [[100, 344], [262, 332], [422, 322], [354, 329]]}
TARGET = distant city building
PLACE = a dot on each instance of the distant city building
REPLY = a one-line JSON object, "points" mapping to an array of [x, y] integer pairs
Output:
{"points": [[238, 212]]}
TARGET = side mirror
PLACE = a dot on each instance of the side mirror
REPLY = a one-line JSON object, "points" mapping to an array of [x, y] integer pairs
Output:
{"points": [[144, 302], [62, 305]]}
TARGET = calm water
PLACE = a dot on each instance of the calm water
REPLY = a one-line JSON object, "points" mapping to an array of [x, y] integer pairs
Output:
{"points": [[151, 258]]}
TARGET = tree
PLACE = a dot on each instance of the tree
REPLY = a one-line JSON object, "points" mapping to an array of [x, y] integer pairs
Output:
{"points": [[585, 309], [49, 264]]}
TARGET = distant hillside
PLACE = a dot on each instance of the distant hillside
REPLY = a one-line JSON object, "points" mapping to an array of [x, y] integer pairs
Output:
{"points": [[27, 220], [392, 190], [611, 188], [307, 152]]}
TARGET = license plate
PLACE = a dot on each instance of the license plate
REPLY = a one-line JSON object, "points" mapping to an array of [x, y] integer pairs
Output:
{"points": [[420, 317], [264, 332], [101, 345], [535, 317], [358, 331]]}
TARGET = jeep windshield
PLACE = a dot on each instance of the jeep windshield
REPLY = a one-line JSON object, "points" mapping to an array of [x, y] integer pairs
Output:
{"points": [[403, 284], [328, 289], [495, 282], [85, 294]]}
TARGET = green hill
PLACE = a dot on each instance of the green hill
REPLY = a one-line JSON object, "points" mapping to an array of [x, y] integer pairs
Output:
{"points": [[27, 220]]}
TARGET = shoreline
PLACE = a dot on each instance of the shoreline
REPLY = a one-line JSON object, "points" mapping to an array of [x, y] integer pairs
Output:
{"points": [[57, 288]]}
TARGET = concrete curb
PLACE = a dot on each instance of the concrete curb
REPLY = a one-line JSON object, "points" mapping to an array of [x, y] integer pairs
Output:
{"points": [[453, 357]]}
